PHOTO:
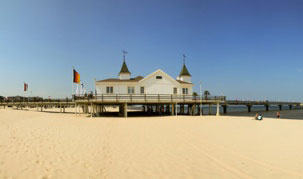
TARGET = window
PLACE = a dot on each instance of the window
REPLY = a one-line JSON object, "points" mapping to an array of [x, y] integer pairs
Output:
{"points": [[175, 90], [158, 77], [142, 90], [184, 90], [109, 89], [131, 90]]}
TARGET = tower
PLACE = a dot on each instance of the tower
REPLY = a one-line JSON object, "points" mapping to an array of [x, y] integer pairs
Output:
{"points": [[124, 72], [184, 74]]}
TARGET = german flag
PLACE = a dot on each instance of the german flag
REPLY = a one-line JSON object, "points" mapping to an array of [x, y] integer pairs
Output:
{"points": [[25, 86], [76, 76]]}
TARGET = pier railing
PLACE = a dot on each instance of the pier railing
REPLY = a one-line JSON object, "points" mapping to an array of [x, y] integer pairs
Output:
{"points": [[259, 102], [118, 98], [148, 98]]}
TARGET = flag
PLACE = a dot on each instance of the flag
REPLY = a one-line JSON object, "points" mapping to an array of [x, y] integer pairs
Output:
{"points": [[25, 87], [76, 76]]}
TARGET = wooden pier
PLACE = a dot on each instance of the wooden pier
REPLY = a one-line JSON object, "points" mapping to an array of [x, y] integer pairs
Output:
{"points": [[150, 104], [266, 104], [95, 105]]}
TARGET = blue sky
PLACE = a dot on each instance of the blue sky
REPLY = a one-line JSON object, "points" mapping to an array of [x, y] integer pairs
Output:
{"points": [[244, 49]]}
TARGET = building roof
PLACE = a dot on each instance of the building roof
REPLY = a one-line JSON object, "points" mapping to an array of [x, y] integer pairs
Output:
{"points": [[124, 68], [184, 82], [184, 71], [138, 78]]}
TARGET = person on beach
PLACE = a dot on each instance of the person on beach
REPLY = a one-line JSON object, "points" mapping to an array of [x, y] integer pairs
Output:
{"points": [[258, 117], [278, 114]]}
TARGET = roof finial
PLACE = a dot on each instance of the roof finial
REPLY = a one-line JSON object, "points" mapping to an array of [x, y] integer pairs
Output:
{"points": [[124, 53], [184, 58]]}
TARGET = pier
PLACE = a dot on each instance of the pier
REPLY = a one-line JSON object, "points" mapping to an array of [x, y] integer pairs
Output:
{"points": [[266, 104], [150, 104]]}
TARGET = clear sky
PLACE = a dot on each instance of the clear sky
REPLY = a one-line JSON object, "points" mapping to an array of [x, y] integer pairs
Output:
{"points": [[244, 49]]}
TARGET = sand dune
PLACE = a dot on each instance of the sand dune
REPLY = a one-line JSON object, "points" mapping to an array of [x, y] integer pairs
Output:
{"points": [[52, 145]]}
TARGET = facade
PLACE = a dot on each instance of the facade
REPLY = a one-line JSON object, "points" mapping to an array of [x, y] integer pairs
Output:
{"points": [[157, 82]]}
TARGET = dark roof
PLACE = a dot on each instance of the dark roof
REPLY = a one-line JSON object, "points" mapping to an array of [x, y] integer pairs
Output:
{"points": [[183, 82], [184, 71], [124, 68], [138, 78]]}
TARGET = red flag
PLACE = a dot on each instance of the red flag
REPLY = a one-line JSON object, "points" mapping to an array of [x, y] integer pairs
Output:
{"points": [[25, 87], [76, 77]]}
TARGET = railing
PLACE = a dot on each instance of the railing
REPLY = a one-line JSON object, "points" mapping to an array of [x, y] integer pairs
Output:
{"points": [[121, 97], [26, 100], [148, 97], [237, 102]]}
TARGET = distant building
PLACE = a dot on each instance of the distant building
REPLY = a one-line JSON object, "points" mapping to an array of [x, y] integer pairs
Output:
{"points": [[157, 82]]}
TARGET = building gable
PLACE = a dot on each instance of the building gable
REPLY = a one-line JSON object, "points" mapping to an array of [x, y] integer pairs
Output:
{"points": [[159, 73]]}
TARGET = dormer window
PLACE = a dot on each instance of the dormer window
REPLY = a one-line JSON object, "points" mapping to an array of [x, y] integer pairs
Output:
{"points": [[159, 77]]}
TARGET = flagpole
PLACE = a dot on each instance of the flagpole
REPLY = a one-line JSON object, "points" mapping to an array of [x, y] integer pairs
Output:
{"points": [[72, 81], [23, 91], [95, 87]]}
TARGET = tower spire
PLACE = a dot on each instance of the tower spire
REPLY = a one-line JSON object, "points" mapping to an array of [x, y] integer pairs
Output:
{"points": [[124, 72], [184, 71], [124, 53]]}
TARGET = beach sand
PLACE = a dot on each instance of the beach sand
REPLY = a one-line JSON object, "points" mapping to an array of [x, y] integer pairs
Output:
{"points": [[53, 145]]}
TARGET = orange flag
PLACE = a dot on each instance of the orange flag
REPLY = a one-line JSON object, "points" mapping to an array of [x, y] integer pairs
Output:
{"points": [[76, 77]]}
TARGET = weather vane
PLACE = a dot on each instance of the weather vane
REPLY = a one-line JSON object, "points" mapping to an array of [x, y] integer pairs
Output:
{"points": [[124, 53], [184, 57]]}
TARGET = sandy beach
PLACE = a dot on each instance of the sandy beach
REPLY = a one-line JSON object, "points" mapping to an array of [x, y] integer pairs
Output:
{"points": [[53, 145]]}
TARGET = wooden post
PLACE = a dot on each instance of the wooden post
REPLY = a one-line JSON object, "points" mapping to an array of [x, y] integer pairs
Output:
{"points": [[125, 110], [249, 108], [193, 109], [267, 107], [91, 110], [224, 109], [172, 109], [218, 109]]}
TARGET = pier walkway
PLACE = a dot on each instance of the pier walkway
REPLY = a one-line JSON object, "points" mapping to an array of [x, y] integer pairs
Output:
{"points": [[151, 104]]}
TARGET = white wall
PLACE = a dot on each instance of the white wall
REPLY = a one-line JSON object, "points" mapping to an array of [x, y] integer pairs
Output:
{"points": [[186, 79], [151, 85], [124, 76], [119, 87], [165, 85]]}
